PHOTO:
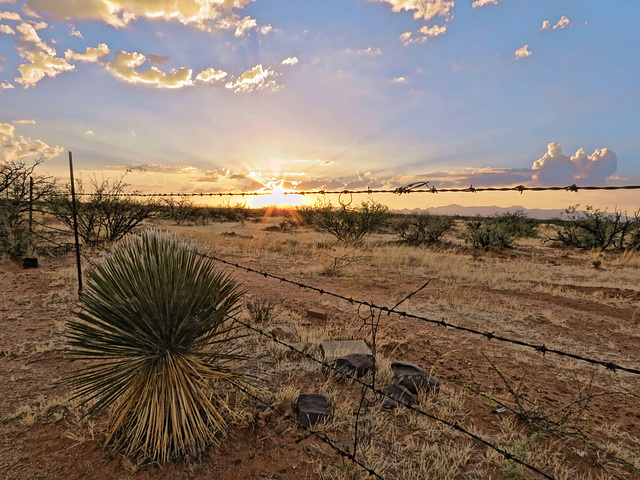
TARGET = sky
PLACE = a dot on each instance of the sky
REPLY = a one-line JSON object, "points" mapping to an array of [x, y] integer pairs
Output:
{"points": [[232, 95]]}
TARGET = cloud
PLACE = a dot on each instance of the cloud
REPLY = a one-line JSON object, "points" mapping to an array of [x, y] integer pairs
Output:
{"points": [[89, 132], [73, 32], [203, 14], [365, 52], [42, 58], [125, 64], [556, 168], [211, 74], [564, 22], [400, 80], [212, 176], [92, 55], [253, 80], [15, 148], [425, 33], [522, 52], [325, 163], [482, 3], [423, 9], [158, 59], [10, 16], [291, 61], [32, 122], [6, 86], [7, 30]]}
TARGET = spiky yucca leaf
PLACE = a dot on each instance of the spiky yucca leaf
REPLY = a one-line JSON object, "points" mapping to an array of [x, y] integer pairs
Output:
{"points": [[152, 323]]}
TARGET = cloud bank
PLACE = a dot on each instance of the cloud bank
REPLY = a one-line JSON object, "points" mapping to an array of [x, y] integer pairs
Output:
{"points": [[14, 147]]}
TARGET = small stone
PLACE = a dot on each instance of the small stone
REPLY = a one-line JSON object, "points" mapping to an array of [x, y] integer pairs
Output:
{"points": [[29, 262], [397, 395], [285, 333], [413, 377], [332, 349], [355, 364], [312, 409], [317, 313]]}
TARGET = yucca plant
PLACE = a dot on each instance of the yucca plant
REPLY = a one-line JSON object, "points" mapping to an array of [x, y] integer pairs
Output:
{"points": [[152, 325]]}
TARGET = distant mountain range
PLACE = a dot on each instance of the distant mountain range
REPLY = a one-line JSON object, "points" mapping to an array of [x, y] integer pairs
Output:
{"points": [[483, 211]]}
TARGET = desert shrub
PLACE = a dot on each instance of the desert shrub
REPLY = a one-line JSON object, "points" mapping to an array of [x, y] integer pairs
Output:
{"points": [[350, 225], [151, 323], [182, 210], [16, 237], [423, 229], [594, 228], [487, 233], [499, 231], [104, 214], [261, 310]]}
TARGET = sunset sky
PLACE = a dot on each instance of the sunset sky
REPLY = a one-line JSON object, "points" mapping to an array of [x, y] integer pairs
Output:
{"points": [[228, 95]]}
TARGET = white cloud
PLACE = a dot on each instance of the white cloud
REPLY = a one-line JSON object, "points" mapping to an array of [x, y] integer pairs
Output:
{"points": [[325, 163], [133, 133], [522, 52], [92, 55], [423, 9], [564, 22], [290, 61], [73, 32], [203, 14], [556, 168], [400, 80], [32, 122], [258, 78], [42, 58], [482, 3], [6, 86], [370, 51], [10, 16], [211, 74], [425, 33], [125, 64], [15, 148], [89, 132], [7, 30]]}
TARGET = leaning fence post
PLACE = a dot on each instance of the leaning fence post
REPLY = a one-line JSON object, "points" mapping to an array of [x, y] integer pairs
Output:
{"points": [[74, 211]]}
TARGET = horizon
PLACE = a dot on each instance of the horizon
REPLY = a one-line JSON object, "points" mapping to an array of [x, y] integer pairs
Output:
{"points": [[199, 97]]}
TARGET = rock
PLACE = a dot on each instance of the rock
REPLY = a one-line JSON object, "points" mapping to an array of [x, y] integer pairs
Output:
{"points": [[29, 262], [312, 409], [317, 313], [397, 395], [332, 349], [285, 333], [413, 377], [355, 364]]}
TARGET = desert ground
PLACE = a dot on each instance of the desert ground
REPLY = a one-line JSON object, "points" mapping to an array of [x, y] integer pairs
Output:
{"points": [[568, 418]]}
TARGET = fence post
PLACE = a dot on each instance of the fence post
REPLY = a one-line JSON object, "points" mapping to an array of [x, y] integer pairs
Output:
{"points": [[74, 211], [30, 205]]}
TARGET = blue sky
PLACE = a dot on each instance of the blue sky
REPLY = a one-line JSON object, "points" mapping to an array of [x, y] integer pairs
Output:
{"points": [[214, 95]]}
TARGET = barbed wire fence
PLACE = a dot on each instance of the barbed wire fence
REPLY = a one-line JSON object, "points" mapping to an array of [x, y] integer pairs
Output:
{"points": [[372, 316]]}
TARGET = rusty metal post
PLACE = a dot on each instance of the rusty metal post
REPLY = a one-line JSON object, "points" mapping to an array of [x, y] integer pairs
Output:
{"points": [[74, 210]]}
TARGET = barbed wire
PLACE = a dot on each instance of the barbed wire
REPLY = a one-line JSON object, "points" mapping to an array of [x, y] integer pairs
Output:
{"points": [[488, 335], [325, 439], [416, 187], [342, 374]]}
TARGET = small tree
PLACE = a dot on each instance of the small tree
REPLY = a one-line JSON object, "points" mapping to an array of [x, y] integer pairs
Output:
{"points": [[104, 214], [424, 229], [16, 176], [152, 326], [499, 231], [350, 225], [594, 228]]}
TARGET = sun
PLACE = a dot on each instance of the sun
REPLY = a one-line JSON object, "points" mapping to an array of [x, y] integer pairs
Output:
{"points": [[274, 194]]}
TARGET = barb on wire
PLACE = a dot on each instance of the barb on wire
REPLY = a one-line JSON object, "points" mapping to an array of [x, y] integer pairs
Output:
{"points": [[488, 335], [455, 425], [320, 436]]}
